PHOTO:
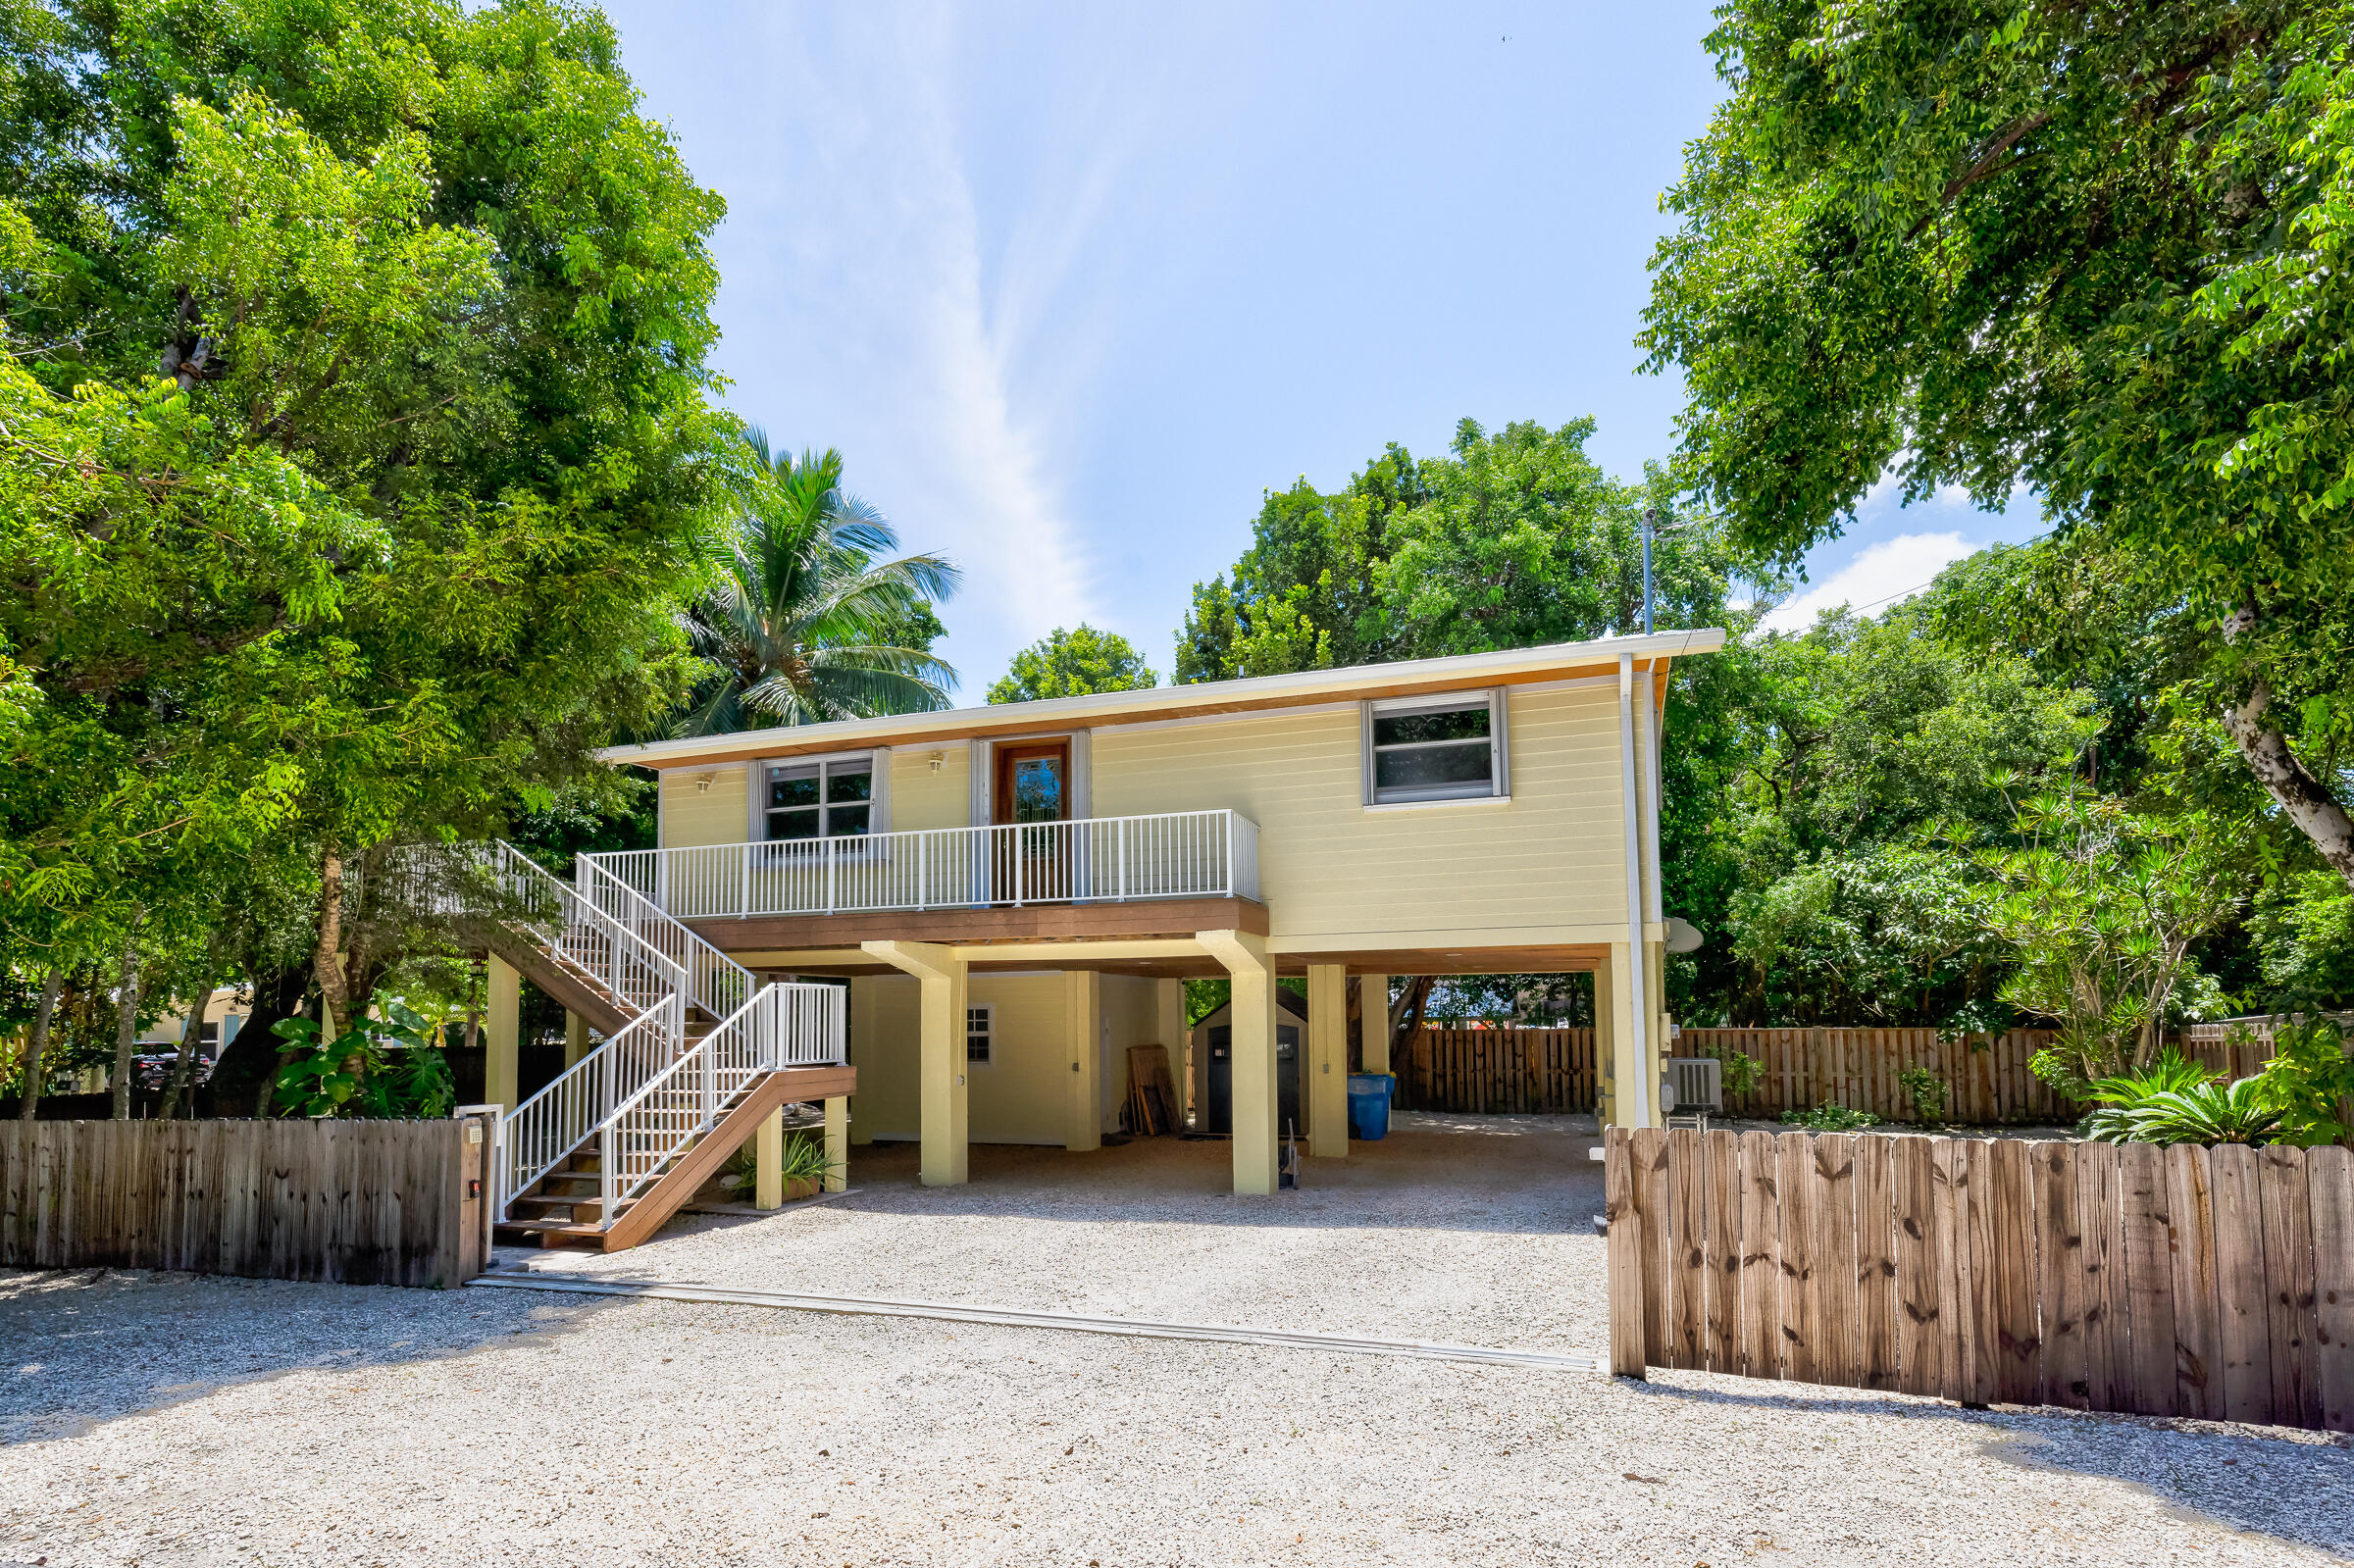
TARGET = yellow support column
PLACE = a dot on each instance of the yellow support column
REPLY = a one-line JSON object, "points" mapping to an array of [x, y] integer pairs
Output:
{"points": [[1254, 1017], [1655, 1021], [768, 1161], [1373, 1021], [1606, 1050], [502, 1036], [1327, 1086], [1634, 1058], [939, 1055], [576, 1038], [1168, 1014], [1081, 1021], [837, 1144]]}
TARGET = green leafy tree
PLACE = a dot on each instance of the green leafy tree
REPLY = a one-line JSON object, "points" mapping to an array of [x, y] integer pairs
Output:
{"points": [[1073, 663], [794, 628], [2096, 251], [360, 447], [2101, 905]]}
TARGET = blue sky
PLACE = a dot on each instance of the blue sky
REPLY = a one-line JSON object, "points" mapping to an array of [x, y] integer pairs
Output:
{"points": [[1071, 285]]}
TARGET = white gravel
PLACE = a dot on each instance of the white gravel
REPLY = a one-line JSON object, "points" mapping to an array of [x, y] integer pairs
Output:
{"points": [[1471, 1229], [163, 1419]]}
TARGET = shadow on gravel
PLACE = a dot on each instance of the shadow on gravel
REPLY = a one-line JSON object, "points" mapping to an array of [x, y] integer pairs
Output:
{"points": [[83, 1348], [2289, 1486]]}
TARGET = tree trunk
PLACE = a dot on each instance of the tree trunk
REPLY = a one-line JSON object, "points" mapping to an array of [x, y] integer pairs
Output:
{"points": [[2305, 799], [1406, 1016], [37, 1046], [279, 998], [2320, 815], [191, 1036], [127, 1017], [326, 961]]}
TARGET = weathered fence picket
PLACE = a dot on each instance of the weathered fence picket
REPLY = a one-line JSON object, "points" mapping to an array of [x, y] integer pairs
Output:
{"points": [[358, 1202], [2184, 1281], [1987, 1078]]}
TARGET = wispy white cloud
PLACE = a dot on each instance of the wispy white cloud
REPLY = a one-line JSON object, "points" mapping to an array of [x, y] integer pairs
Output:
{"points": [[893, 328], [1883, 574]]}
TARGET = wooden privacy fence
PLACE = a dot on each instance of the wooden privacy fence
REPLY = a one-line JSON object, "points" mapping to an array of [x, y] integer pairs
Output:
{"points": [[1499, 1070], [1987, 1076], [356, 1202], [2184, 1281]]}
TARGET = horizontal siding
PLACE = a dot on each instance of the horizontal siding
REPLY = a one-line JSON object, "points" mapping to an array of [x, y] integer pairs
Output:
{"points": [[693, 816], [1018, 1099], [922, 798], [1331, 870]]}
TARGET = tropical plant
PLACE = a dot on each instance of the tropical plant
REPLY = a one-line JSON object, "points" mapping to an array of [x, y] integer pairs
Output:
{"points": [[2100, 905], [2173, 1100], [791, 628], [383, 1067], [804, 1159], [1832, 1118], [1073, 663]]}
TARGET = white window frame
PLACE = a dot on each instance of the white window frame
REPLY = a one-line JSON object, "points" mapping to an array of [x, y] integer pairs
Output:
{"points": [[1499, 784], [987, 1012], [878, 798]]}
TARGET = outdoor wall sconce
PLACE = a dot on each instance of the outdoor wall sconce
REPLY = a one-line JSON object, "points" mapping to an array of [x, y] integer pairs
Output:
{"points": [[938, 760], [702, 783]]}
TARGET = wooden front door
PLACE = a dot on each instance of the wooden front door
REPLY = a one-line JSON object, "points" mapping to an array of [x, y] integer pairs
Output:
{"points": [[1033, 792]]}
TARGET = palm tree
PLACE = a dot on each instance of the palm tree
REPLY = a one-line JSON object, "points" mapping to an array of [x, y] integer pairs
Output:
{"points": [[798, 625]]}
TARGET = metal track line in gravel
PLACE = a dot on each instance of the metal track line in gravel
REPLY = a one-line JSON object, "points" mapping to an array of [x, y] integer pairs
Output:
{"points": [[1009, 1317]]}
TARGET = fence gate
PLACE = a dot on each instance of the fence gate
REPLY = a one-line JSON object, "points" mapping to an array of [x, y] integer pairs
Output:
{"points": [[2185, 1281]]}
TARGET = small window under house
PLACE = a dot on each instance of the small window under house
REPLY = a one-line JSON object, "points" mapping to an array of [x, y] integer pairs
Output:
{"points": [[977, 1036], [827, 798], [1435, 748]]}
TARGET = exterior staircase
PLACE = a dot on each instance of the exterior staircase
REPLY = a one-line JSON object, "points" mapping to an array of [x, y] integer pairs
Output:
{"points": [[695, 1052]]}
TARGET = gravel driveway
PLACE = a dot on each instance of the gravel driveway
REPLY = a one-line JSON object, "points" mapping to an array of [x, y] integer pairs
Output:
{"points": [[163, 1419]]}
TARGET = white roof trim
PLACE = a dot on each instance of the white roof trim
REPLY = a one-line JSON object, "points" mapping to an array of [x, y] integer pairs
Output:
{"points": [[1104, 707]]}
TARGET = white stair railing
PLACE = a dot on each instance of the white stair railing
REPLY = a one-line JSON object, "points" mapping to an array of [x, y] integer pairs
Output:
{"points": [[643, 1095], [619, 956], [715, 983], [781, 1026]]}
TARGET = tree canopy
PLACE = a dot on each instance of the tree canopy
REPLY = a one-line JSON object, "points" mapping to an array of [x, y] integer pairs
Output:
{"points": [[2099, 252], [1073, 663], [359, 446]]}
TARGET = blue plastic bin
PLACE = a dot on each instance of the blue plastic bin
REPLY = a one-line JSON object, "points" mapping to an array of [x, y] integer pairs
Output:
{"points": [[1369, 1104]]}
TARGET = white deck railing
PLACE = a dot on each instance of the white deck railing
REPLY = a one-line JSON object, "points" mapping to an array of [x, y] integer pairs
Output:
{"points": [[1192, 855]]}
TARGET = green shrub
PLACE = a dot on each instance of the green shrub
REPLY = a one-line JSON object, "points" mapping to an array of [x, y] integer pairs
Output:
{"points": [[1832, 1118], [2176, 1100], [1926, 1090], [384, 1066], [2309, 1074], [804, 1161], [1741, 1071]]}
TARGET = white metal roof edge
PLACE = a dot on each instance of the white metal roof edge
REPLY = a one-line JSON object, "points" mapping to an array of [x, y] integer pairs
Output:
{"points": [[1102, 706]]}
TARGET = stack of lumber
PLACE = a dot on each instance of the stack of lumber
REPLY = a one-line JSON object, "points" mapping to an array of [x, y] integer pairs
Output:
{"points": [[1154, 1109]]}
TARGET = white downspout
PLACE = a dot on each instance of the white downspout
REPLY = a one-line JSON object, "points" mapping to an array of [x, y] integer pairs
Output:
{"points": [[1639, 998]]}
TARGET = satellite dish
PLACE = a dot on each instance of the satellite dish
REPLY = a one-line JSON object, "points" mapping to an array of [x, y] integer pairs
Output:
{"points": [[1682, 935]]}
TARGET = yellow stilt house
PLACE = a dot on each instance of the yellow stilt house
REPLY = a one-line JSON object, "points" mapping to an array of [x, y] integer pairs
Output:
{"points": [[1015, 895]]}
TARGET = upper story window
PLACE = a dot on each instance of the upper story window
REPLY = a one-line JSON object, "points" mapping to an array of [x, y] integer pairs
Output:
{"points": [[1435, 748], [830, 797]]}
